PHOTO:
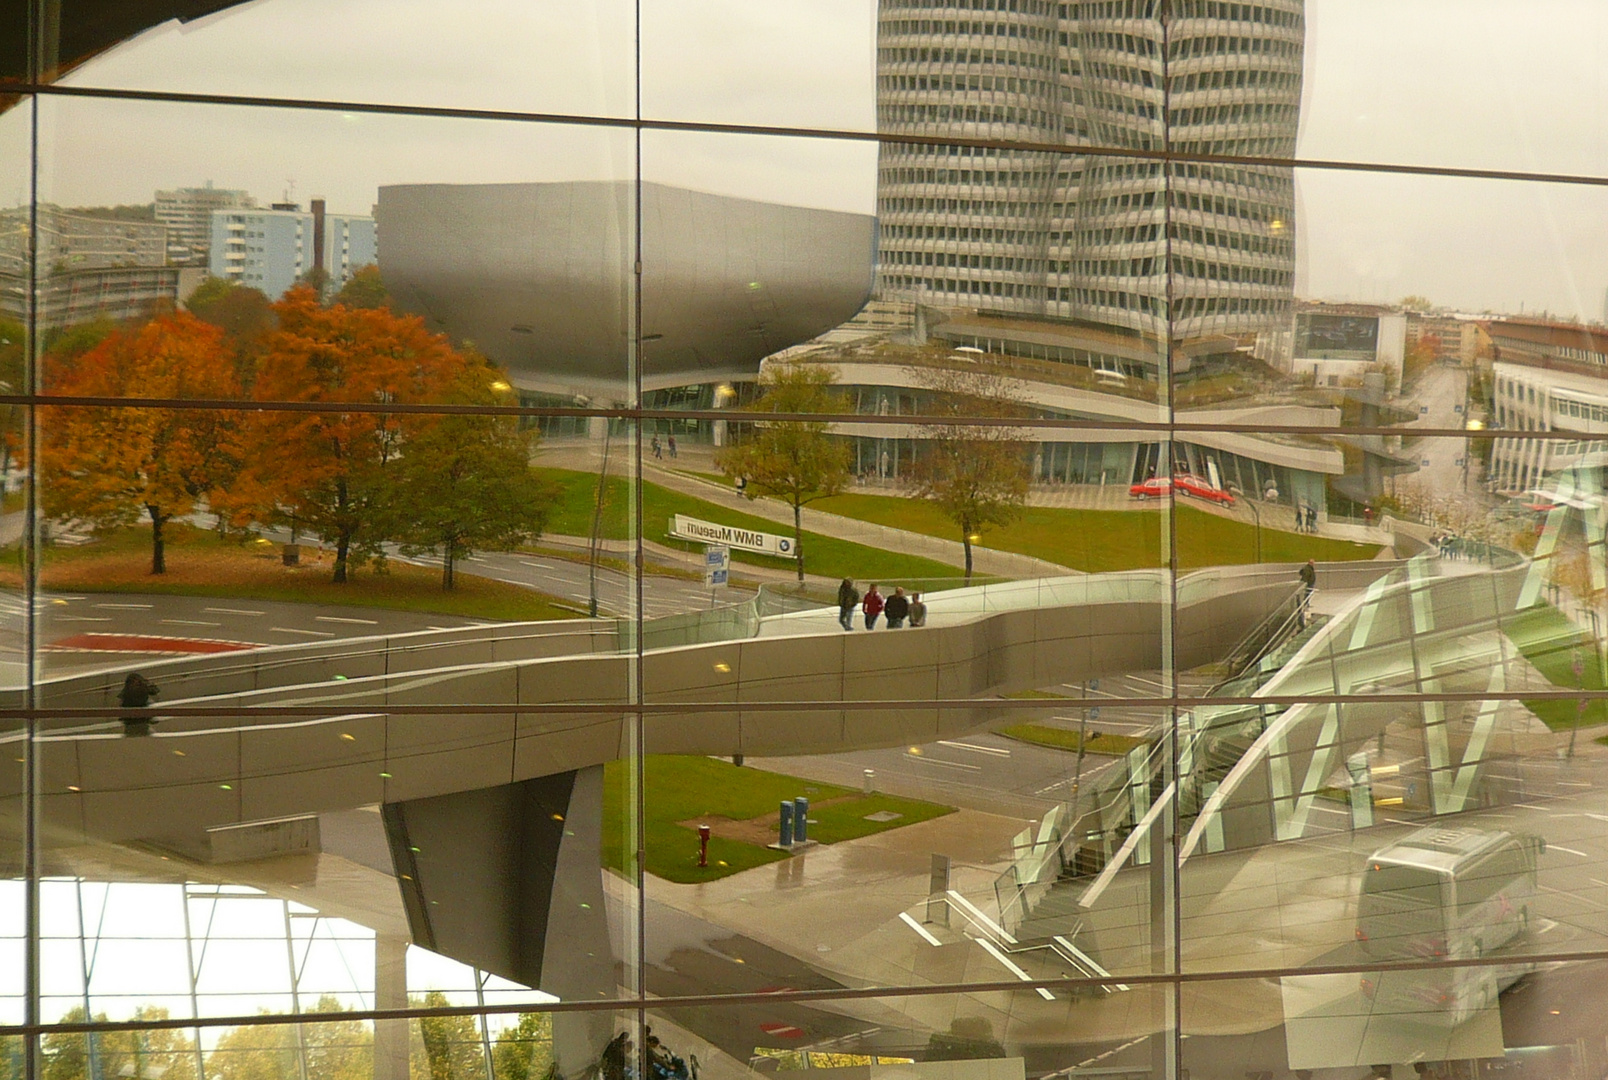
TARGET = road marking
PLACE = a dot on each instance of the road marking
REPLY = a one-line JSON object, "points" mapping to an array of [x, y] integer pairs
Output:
{"points": [[81, 618], [537, 565], [188, 622], [337, 618], [230, 611], [292, 630], [918, 928], [947, 764], [135, 607], [996, 751], [1570, 850]]}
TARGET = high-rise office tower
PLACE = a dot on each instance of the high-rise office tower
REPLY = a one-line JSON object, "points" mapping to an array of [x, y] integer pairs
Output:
{"points": [[1085, 236]]}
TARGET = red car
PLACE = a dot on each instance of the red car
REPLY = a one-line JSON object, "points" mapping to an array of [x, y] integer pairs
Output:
{"points": [[1156, 488]]}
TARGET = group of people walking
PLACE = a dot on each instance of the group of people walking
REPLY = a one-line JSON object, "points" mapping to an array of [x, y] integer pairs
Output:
{"points": [[874, 605], [1306, 518], [657, 448]]}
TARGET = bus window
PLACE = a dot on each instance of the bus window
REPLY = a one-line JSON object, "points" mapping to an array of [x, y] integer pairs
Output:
{"points": [[1400, 913]]}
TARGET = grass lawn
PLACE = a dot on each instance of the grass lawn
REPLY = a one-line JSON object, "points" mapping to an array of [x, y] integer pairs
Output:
{"points": [[687, 789], [1100, 742], [1553, 644], [201, 564], [825, 555], [1102, 540]]}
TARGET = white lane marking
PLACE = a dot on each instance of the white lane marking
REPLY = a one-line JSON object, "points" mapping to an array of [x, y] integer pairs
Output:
{"points": [[939, 761], [337, 618], [81, 618], [537, 565], [135, 607], [230, 611], [188, 622], [1570, 850], [292, 630], [996, 751], [918, 928]]}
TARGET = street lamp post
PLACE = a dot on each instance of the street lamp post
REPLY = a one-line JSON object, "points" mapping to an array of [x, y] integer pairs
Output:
{"points": [[1238, 493]]}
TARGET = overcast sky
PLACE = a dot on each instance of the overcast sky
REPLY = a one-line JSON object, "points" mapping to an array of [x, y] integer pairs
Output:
{"points": [[1464, 83]]}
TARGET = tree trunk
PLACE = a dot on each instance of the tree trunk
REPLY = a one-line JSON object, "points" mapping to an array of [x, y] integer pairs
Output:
{"points": [[158, 549], [966, 540], [343, 545], [798, 539], [447, 560]]}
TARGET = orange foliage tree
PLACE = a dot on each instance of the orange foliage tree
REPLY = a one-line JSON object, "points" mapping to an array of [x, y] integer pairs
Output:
{"points": [[106, 465], [333, 472]]}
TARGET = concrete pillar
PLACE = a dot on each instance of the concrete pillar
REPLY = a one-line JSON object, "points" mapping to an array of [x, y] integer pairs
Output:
{"points": [[390, 992], [578, 959]]}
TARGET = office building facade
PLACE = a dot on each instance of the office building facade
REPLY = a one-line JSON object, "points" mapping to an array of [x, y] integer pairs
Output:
{"points": [[1086, 238], [270, 249]]}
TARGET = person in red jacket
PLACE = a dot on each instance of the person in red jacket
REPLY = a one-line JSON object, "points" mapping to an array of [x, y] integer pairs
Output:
{"points": [[872, 607]]}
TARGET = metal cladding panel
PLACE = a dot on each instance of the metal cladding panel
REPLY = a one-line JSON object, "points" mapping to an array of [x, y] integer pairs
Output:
{"points": [[538, 276]]}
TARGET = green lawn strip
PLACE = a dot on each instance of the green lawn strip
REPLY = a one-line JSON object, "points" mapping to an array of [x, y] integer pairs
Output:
{"points": [[1551, 643], [684, 788], [824, 555], [118, 563], [1100, 742], [1104, 540]]}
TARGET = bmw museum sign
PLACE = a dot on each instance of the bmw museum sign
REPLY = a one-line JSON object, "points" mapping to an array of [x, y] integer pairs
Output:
{"points": [[707, 532]]}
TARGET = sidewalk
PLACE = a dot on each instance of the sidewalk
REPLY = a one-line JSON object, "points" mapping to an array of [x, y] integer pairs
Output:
{"points": [[701, 459]]}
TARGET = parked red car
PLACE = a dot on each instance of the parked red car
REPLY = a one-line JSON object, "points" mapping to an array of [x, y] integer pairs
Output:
{"points": [[1157, 486]]}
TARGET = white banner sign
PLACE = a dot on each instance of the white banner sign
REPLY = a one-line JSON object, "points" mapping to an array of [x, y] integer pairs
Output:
{"points": [[707, 532]]}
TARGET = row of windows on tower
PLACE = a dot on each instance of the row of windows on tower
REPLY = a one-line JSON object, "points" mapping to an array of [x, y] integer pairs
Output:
{"points": [[1244, 112], [993, 178], [972, 207], [1009, 59], [1217, 9], [963, 234], [1008, 83], [1247, 78], [1183, 48], [1020, 7], [966, 114]]}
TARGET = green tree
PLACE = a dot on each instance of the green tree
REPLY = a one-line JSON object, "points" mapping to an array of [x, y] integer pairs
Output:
{"points": [[244, 314], [975, 473], [316, 278], [465, 482], [335, 1050], [159, 1054], [447, 1047], [525, 1051], [797, 461], [364, 289]]}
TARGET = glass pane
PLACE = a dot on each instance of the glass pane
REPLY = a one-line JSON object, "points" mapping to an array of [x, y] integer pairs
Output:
{"points": [[535, 314], [549, 58], [1005, 1035], [1385, 82], [214, 868], [889, 847]]}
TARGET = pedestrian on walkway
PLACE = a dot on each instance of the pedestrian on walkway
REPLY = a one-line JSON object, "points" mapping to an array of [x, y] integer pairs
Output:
{"points": [[897, 608], [872, 607], [658, 451], [672, 447], [1309, 578], [136, 694], [848, 600], [1312, 519], [918, 611], [1300, 518]]}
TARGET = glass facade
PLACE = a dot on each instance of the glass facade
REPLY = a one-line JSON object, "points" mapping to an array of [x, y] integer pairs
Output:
{"points": [[927, 539]]}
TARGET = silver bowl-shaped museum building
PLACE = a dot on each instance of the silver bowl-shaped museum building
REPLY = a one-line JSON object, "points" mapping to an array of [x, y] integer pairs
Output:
{"points": [[539, 278]]}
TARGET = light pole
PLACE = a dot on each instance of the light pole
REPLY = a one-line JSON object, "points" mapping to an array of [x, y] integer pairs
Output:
{"points": [[1235, 490]]}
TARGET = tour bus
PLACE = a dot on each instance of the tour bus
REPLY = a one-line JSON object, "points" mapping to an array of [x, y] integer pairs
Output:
{"points": [[1454, 894]]}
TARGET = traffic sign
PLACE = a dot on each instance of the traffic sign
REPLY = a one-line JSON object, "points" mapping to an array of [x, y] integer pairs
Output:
{"points": [[717, 564]]}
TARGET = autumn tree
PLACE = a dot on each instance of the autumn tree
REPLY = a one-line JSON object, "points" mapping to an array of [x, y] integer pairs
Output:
{"points": [[795, 460], [465, 481], [332, 471], [364, 289], [13, 380], [109, 465], [974, 467]]}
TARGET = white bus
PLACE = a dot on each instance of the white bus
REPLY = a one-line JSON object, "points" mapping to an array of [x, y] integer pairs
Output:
{"points": [[1453, 894]]}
